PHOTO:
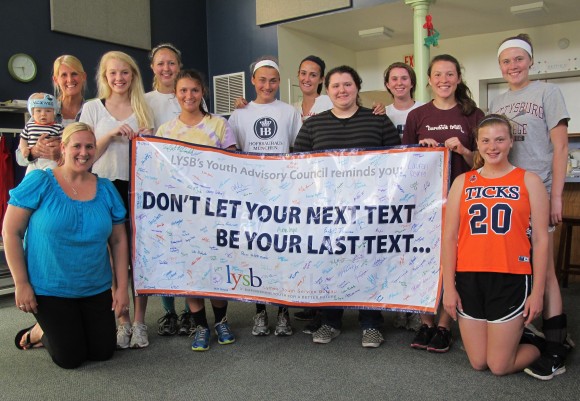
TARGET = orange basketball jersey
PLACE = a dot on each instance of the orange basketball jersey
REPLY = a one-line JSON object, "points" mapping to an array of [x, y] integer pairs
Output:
{"points": [[494, 219]]}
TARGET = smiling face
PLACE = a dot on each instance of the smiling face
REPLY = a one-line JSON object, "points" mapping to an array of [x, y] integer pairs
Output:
{"points": [[515, 64], [79, 151], [266, 81], [443, 79], [70, 82], [309, 77], [189, 93], [165, 66], [399, 83], [342, 91], [119, 76], [43, 115], [494, 143]]}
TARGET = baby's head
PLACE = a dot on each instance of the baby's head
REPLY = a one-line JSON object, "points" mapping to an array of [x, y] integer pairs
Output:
{"points": [[42, 107]]}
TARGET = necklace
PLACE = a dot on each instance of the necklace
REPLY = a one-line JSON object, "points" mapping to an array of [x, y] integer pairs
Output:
{"points": [[75, 192]]}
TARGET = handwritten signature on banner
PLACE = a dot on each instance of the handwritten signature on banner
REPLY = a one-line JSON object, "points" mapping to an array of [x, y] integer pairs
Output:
{"points": [[338, 228]]}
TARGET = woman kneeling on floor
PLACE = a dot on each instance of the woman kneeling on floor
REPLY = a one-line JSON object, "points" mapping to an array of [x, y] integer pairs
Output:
{"points": [[486, 253], [62, 271]]}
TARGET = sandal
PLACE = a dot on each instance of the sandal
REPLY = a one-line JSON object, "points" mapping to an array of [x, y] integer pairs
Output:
{"points": [[28, 344]]}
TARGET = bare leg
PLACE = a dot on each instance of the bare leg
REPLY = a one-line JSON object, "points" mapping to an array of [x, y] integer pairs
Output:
{"points": [[474, 337], [505, 354], [140, 308]]}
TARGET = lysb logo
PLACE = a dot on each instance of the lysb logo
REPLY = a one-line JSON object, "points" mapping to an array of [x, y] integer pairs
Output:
{"points": [[247, 280], [265, 128]]}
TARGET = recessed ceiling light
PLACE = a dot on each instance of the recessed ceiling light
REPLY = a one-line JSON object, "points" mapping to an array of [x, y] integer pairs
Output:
{"points": [[376, 32], [538, 6]]}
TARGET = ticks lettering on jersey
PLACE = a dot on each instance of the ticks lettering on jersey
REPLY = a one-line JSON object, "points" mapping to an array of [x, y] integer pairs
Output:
{"points": [[502, 192], [265, 128]]}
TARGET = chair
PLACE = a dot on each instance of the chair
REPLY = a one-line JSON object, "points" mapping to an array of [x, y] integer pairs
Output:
{"points": [[564, 267]]}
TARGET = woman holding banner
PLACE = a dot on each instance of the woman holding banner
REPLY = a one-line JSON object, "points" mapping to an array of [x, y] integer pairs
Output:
{"points": [[166, 64], [197, 126], [400, 81], [486, 254], [117, 116], [346, 125], [449, 118]]}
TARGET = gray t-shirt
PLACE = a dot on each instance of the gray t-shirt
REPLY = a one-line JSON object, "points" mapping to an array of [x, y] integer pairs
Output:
{"points": [[534, 110]]}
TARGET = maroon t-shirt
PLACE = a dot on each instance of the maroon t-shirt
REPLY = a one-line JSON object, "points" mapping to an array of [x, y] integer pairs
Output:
{"points": [[428, 121]]}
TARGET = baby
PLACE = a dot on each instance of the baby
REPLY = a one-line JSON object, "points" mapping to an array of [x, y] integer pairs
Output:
{"points": [[42, 108]]}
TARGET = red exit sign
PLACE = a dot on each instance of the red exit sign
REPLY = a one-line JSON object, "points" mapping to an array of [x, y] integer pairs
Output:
{"points": [[410, 60]]}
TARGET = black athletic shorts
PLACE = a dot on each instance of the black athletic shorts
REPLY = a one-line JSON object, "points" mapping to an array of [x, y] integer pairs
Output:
{"points": [[494, 297]]}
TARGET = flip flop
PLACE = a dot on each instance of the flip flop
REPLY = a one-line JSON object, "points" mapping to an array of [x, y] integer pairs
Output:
{"points": [[27, 344]]}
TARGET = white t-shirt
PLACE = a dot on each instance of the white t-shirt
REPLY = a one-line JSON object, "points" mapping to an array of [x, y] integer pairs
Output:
{"points": [[399, 117], [266, 128], [164, 106], [114, 163], [321, 103]]}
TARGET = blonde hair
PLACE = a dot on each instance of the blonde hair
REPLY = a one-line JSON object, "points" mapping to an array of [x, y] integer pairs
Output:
{"points": [[74, 128], [71, 62], [68, 132], [136, 90]]}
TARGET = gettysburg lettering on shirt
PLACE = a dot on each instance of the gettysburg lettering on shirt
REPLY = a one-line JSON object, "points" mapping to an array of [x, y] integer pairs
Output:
{"points": [[519, 109]]}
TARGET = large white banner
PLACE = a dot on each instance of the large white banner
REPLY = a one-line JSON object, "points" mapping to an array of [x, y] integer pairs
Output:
{"points": [[340, 228]]}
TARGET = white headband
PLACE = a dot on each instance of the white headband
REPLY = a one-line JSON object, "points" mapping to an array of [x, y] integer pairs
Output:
{"points": [[266, 63], [522, 44]]}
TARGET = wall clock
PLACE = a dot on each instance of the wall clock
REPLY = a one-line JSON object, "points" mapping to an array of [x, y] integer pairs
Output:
{"points": [[22, 67]]}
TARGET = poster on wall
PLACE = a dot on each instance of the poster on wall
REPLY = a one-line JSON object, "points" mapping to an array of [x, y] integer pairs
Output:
{"points": [[354, 228]]}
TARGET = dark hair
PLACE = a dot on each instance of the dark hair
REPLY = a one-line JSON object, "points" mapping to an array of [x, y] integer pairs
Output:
{"points": [[321, 64], [521, 36], [490, 119], [405, 66], [462, 93], [195, 76], [264, 58], [345, 69]]}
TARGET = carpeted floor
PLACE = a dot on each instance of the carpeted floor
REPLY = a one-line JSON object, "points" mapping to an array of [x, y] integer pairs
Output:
{"points": [[272, 368]]}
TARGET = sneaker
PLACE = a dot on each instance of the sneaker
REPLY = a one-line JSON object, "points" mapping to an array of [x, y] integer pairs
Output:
{"points": [[531, 337], [306, 314], [314, 325], [546, 366], [186, 324], [568, 342], [372, 338], [261, 324], [400, 320], [225, 335], [413, 322], [123, 335], [283, 327], [201, 339], [325, 334], [423, 337], [139, 338], [167, 325], [441, 341]]}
